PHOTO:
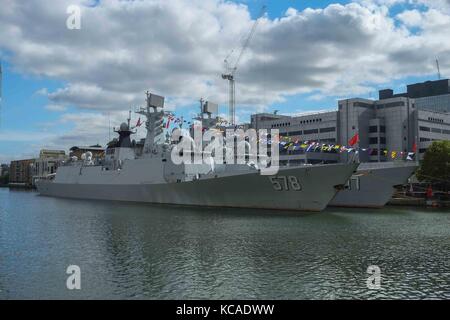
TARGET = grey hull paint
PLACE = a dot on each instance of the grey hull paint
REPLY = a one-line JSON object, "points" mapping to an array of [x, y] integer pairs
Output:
{"points": [[376, 185], [245, 190]]}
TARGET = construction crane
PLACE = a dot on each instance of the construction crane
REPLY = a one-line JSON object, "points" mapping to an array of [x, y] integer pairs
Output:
{"points": [[231, 71], [438, 69]]}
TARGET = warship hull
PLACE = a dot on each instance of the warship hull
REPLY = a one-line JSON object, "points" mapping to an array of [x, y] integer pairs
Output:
{"points": [[373, 184], [317, 185]]}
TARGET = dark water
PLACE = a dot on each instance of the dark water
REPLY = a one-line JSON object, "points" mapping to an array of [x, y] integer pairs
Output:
{"points": [[144, 251]]}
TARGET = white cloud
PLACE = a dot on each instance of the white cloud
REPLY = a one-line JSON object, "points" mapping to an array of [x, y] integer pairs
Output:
{"points": [[176, 48], [88, 128], [93, 97], [411, 18], [442, 5], [85, 128], [55, 108], [23, 136]]}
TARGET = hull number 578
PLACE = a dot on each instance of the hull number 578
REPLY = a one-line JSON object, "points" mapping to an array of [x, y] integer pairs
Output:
{"points": [[285, 183]]}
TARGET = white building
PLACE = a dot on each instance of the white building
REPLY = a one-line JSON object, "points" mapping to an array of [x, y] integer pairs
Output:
{"points": [[47, 163], [392, 123]]}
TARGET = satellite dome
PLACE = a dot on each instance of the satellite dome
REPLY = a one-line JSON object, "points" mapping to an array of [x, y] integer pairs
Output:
{"points": [[123, 127]]}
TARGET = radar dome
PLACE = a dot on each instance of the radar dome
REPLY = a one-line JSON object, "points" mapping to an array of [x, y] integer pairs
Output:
{"points": [[123, 127]]}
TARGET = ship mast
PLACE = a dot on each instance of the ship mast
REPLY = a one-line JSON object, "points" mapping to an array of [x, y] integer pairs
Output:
{"points": [[154, 113]]}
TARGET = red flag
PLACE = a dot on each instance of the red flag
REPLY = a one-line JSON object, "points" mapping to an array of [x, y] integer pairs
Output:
{"points": [[429, 192], [354, 140], [139, 123], [414, 148]]}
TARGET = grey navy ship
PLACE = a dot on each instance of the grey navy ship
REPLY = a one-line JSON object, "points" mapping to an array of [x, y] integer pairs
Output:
{"points": [[152, 176], [373, 184]]}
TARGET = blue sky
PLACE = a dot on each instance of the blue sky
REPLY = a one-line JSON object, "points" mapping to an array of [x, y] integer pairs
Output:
{"points": [[25, 113]]}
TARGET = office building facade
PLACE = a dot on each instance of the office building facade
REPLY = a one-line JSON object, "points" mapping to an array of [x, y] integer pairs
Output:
{"points": [[319, 127], [429, 95], [21, 172], [399, 123]]}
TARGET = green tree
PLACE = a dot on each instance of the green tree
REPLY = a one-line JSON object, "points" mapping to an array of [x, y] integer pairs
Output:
{"points": [[4, 179], [435, 167]]}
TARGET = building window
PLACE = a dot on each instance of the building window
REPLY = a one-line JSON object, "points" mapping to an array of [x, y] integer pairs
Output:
{"points": [[382, 129], [331, 140], [373, 129], [362, 104], [436, 130], [422, 150], [311, 131], [435, 120], [382, 140], [373, 140], [392, 104], [330, 129], [424, 129]]}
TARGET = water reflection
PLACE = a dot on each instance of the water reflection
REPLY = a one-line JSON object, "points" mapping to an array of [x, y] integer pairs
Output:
{"points": [[145, 251]]}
